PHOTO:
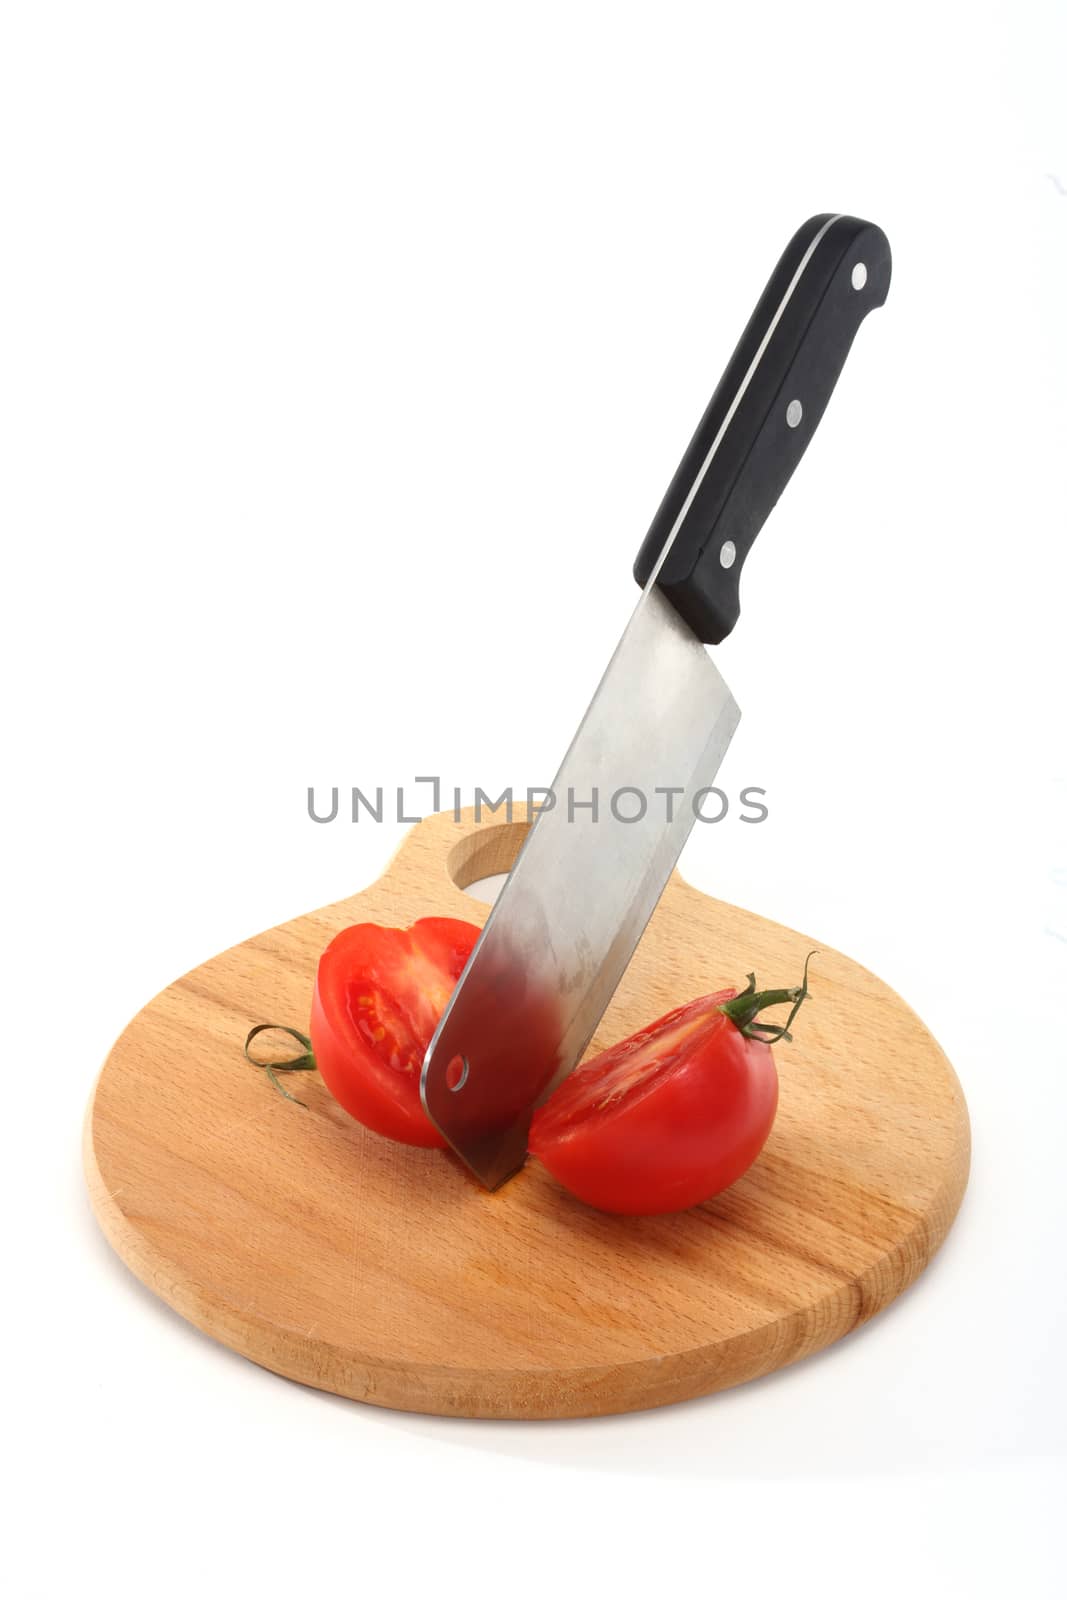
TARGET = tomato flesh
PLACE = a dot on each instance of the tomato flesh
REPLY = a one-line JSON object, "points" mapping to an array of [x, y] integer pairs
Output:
{"points": [[379, 995], [665, 1119]]}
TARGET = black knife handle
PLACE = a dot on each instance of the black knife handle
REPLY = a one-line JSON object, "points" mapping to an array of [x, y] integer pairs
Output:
{"points": [[767, 405]]}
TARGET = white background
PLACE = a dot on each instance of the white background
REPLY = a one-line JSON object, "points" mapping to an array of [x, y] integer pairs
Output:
{"points": [[346, 353]]}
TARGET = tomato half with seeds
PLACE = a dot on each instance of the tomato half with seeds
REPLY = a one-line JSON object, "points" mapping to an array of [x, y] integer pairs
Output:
{"points": [[672, 1115], [379, 995]]}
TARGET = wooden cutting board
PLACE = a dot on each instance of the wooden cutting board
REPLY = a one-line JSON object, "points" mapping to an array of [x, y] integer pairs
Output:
{"points": [[385, 1273]]}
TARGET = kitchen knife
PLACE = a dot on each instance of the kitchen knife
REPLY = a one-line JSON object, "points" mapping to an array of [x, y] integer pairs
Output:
{"points": [[598, 857]]}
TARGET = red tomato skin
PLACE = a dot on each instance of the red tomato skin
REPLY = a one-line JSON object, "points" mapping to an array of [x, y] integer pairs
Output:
{"points": [[388, 962], [674, 1141]]}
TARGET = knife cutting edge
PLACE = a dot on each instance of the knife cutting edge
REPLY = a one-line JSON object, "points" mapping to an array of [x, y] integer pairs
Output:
{"points": [[590, 873]]}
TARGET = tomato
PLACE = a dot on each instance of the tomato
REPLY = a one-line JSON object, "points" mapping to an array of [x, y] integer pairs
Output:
{"points": [[379, 995], [672, 1115]]}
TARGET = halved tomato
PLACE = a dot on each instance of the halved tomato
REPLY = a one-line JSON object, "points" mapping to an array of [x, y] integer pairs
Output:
{"points": [[672, 1115], [379, 995]]}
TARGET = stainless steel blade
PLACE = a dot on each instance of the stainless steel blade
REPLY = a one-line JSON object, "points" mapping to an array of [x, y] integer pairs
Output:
{"points": [[582, 890]]}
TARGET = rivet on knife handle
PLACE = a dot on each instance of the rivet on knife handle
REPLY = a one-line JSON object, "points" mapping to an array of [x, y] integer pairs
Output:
{"points": [[767, 405]]}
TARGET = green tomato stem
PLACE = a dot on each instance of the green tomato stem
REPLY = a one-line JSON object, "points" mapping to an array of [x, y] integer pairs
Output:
{"points": [[745, 1007], [301, 1063]]}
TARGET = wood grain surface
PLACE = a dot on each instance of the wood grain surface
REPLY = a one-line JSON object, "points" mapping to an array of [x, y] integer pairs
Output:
{"points": [[385, 1273]]}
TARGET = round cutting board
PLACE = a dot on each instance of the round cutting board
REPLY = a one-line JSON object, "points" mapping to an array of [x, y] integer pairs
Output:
{"points": [[386, 1274]]}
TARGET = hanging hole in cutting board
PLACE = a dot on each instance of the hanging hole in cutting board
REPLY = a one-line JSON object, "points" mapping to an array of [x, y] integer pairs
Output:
{"points": [[485, 855], [486, 889]]}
